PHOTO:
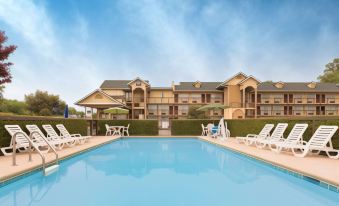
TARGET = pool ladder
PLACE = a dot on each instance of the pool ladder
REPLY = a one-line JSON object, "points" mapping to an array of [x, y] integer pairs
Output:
{"points": [[46, 170]]}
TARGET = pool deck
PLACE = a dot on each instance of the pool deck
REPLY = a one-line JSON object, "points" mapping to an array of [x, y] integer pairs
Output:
{"points": [[7, 171], [318, 167]]}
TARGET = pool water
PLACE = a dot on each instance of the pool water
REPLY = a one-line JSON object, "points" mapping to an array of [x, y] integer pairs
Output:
{"points": [[167, 171]]}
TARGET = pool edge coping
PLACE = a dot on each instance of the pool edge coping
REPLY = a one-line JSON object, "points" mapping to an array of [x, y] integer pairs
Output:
{"points": [[291, 171], [16, 176]]}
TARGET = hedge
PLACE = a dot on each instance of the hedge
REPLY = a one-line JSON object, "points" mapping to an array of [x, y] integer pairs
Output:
{"points": [[252, 126], [137, 127], [72, 125]]}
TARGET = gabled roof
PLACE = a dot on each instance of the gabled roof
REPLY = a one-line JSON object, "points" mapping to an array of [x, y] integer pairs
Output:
{"points": [[114, 101], [115, 84], [223, 84], [247, 78], [189, 86], [138, 78], [299, 86]]}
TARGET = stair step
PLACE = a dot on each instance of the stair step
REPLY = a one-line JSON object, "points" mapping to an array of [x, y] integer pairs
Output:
{"points": [[51, 169]]}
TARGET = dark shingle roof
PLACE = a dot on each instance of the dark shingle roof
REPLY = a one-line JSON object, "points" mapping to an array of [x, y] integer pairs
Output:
{"points": [[115, 84], [205, 86], [299, 86]]}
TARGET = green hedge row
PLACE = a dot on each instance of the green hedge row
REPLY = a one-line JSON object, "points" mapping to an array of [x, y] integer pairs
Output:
{"points": [[137, 127], [73, 126], [251, 126]]}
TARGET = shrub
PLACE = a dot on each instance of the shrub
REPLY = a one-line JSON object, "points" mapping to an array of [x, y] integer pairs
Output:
{"points": [[252, 126], [137, 127], [72, 125]]}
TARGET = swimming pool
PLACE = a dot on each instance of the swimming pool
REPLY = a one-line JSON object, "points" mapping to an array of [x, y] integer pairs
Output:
{"points": [[166, 171]]}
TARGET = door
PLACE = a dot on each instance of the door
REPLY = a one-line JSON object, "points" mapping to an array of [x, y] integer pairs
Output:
{"points": [[288, 110], [320, 110], [259, 98], [176, 110], [170, 110], [208, 98], [203, 99], [320, 98], [285, 98], [290, 98], [176, 97]]}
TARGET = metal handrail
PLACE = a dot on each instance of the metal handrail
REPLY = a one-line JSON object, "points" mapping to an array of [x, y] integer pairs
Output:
{"points": [[48, 143], [31, 144]]}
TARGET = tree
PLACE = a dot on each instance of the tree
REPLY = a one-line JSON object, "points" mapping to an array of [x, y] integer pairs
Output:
{"points": [[13, 106], [193, 113], [5, 51], [42, 103], [331, 73], [73, 111]]}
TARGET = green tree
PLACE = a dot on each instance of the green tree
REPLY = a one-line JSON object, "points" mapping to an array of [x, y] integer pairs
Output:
{"points": [[5, 52], [13, 106], [331, 73], [73, 111], [194, 114], [39, 102]]}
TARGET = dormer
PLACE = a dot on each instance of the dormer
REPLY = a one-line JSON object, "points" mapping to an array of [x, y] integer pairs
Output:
{"points": [[312, 85], [138, 83], [197, 84], [279, 85], [234, 80]]}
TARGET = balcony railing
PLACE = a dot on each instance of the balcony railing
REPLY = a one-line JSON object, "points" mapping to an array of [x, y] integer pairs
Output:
{"points": [[297, 112], [177, 113], [241, 105], [298, 100], [182, 100]]}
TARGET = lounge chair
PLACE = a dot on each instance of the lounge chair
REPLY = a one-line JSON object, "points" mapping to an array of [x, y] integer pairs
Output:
{"points": [[64, 133], [318, 142], [293, 138], [51, 134], [276, 135], [21, 139], [58, 143], [251, 138]]}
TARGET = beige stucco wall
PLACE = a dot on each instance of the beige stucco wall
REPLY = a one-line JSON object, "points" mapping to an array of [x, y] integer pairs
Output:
{"points": [[234, 94]]}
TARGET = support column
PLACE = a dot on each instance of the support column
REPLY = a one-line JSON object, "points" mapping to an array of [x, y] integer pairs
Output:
{"points": [[255, 103], [243, 98], [85, 116]]}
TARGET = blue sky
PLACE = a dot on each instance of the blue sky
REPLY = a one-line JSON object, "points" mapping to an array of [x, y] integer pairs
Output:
{"points": [[69, 47]]}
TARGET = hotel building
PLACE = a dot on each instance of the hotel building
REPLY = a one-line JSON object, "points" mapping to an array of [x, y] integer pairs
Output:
{"points": [[245, 96]]}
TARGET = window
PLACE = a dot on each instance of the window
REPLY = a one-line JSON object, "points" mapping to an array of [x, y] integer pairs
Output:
{"points": [[138, 83]]}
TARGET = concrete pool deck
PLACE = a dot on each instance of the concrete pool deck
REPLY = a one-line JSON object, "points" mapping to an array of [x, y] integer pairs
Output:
{"points": [[317, 167], [7, 171]]}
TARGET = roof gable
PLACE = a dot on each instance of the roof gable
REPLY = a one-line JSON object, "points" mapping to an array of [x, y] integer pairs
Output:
{"points": [[98, 97], [235, 79], [139, 79]]}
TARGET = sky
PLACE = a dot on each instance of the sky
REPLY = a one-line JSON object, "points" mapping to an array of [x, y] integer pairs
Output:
{"points": [[69, 47]]}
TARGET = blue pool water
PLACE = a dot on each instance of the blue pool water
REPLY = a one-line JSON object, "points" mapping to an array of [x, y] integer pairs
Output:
{"points": [[172, 172]]}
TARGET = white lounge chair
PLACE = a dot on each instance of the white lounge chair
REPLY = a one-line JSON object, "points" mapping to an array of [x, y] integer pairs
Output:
{"points": [[276, 135], [36, 133], [22, 144], [293, 138], [65, 134], [318, 142], [125, 130], [51, 134], [251, 138]]}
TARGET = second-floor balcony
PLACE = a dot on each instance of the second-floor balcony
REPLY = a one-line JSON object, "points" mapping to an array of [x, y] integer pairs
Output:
{"points": [[298, 100], [182, 100], [312, 112]]}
